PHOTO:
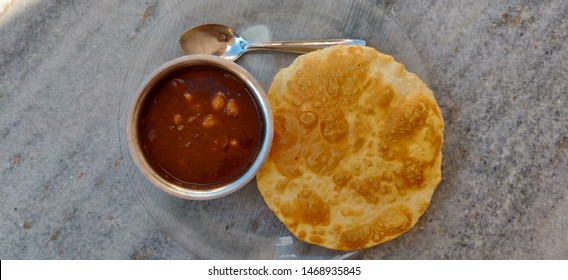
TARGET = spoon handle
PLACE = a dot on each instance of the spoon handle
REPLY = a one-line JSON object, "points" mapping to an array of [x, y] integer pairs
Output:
{"points": [[301, 46]]}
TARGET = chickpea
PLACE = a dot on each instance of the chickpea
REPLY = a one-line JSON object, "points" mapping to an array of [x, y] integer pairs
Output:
{"points": [[152, 135], [210, 121], [191, 119], [232, 108], [177, 119], [177, 83], [221, 142], [218, 101], [188, 97]]}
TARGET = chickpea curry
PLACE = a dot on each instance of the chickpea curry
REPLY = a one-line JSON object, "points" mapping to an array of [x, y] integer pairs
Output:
{"points": [[200, 127]]}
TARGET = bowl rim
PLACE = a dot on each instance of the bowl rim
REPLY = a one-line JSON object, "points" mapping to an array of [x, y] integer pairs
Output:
{"points": [[140, 97]]}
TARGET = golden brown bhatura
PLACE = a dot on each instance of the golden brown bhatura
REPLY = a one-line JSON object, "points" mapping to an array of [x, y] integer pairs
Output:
{"points": [[357, 145]]}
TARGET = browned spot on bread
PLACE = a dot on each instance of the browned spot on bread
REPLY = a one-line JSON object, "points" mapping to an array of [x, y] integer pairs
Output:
{"points": [[391, 222], [308, 118], [334, 127], [355, 238], [312, 208], [316, 239]]}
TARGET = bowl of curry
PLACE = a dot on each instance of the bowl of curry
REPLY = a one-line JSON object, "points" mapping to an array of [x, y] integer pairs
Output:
{"points": [[200, 127]]}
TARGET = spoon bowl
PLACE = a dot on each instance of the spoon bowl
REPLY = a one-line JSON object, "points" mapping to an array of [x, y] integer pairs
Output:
{"points": [[225, 42]]}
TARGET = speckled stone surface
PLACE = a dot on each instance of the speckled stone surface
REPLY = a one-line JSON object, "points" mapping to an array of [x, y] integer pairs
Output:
{"points": [[499, 72]]}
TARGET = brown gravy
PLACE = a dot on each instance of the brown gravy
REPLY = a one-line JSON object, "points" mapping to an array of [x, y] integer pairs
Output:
{"points": [[200, 127]]}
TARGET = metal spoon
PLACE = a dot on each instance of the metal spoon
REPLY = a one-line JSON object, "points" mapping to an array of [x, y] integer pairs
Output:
{"points": [[223, 41]]}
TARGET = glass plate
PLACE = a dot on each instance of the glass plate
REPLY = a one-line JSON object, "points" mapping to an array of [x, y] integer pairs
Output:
{"points": [[241, 226]]}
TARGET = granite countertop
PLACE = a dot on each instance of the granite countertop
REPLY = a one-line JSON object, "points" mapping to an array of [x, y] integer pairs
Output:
{"points": [[499, 72]]}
